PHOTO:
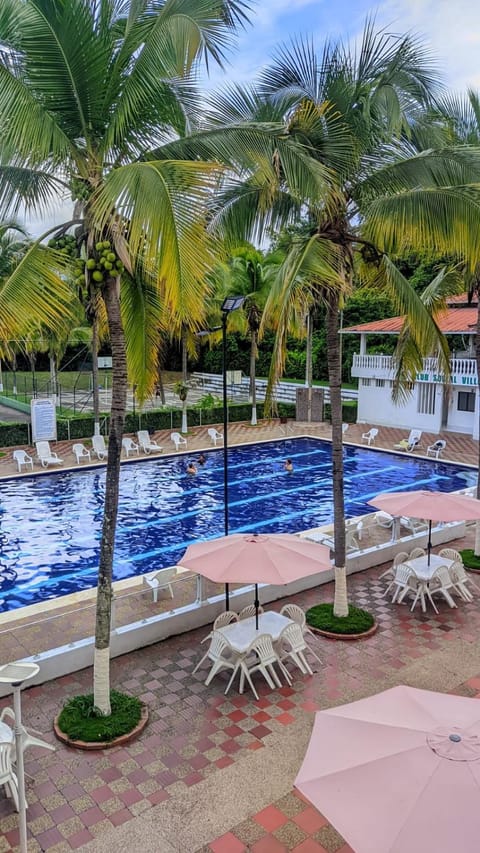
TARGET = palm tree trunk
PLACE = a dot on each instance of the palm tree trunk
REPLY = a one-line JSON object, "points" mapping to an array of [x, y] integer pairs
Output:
{"points": [[160, 388], [101, 677], [340, 605], [184, 417], [95, 383], [477, 356], [53, 375], [253, 389]]}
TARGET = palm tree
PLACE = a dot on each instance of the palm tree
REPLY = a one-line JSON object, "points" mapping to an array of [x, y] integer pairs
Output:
{"points": [[87, 90], [360, 118]]}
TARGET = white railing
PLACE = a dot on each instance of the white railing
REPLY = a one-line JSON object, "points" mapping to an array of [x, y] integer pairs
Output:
{"points": [[384, 366]]}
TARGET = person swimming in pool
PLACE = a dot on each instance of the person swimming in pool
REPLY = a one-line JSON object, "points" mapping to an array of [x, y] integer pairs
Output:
{"points": [[288, 465], [191, 468], [201, 459]]}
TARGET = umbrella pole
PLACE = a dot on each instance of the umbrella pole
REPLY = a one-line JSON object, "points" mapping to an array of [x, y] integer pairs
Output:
{"points": [[429, 543], [256, 606], [227, 596]]}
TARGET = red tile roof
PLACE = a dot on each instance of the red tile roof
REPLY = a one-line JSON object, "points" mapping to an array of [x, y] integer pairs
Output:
{"points": [[452, 321]]}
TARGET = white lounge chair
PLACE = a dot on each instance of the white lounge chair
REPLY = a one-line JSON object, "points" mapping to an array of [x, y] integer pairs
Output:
{"points": [[344, 428], [370, 435], [160, 580], [80, 452], [21, 457], [178, 440], [99, 447], [409, 444], [215, 435], [414, 525], [129, 446], [437, 448], [45, 455], [146, 443]]}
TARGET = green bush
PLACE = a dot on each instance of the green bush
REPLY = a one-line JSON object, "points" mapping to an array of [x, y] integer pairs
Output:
{"points": [[470, 561], [349, 411], [13, 435], [80, 720], [357, 622]]}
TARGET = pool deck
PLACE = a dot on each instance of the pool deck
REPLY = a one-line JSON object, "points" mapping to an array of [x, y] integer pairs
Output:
{"points": [[214, 774]]}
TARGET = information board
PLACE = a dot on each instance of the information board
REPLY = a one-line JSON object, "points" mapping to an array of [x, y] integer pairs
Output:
{"points": [[44, 420]]}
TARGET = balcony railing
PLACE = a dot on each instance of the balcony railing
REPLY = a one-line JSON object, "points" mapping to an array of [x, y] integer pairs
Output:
{"points": [[463, 370]]}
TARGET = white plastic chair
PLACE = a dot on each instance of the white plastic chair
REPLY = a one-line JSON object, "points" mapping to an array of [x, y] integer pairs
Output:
{"points": [[463, 578], [370, 435], [222, 656], [451, 554], [440, 583], [99, 447], [224, 618], [344, 428], [8, 776], [405, 581], [437, 448], [29, 737], [129, 446], [249, 611], [460, 580], [178, 440], [215, 435], [80, 452], [45, 455], [263, 660], [401, 557], [409, 444], [416, 552], [21, 457], [146, 443], [297, 615], [291, 644], [160, 580]]}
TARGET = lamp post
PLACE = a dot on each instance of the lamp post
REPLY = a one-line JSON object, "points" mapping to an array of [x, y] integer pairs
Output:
{"points": [[231, 303]]}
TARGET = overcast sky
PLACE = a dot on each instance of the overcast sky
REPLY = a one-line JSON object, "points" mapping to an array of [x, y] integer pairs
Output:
{"points": [[451, 29]]}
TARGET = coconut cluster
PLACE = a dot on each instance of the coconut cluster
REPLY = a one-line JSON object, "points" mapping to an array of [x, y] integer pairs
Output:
{"points": [[101, 264]]}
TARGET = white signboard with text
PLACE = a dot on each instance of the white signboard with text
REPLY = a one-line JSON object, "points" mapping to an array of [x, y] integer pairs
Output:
{"points": [[44, 420]]}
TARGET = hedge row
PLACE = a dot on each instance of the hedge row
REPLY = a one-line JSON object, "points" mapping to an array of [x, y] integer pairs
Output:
{"points": [[82, 426]]}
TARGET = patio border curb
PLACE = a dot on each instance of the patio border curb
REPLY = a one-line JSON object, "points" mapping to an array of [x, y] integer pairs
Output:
{"points": [[331, 636], [109, 744]]}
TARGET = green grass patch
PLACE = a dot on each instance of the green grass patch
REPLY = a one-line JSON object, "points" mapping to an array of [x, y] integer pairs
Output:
{"points": [[357, 622], [80, 720], [470, 561]]}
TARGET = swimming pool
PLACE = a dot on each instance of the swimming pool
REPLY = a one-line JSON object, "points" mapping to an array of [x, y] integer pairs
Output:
{"points": [[50, 526]]}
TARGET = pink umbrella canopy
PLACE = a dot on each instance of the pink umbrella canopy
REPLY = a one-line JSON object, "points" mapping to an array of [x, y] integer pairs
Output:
{"points": [[398, 772], [276, 558], [435, 506]]}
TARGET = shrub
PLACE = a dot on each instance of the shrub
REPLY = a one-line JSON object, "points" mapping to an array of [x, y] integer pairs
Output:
{"points": [[80, 720], [357, 622]]}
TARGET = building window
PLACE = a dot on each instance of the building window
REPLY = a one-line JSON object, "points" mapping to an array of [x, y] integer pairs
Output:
{"points": [[426, 398], [366, 383], [466, 401], [380, 383]]}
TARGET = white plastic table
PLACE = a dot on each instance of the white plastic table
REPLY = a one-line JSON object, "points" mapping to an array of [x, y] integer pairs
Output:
{"points": [[424, 571], [241, 634]]}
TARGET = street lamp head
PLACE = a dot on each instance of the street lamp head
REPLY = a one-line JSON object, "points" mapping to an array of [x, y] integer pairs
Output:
{"points": [[231, 303]]}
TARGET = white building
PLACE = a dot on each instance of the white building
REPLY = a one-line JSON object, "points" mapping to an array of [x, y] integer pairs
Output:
{"points": [[433, 405]]}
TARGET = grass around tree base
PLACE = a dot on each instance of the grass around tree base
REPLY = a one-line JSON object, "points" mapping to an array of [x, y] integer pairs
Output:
{"points": [[470, 561], [357, 622], [80, 720]]}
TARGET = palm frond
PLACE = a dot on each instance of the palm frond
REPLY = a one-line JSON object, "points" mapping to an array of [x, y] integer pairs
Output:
{"points": [[144, 319]]}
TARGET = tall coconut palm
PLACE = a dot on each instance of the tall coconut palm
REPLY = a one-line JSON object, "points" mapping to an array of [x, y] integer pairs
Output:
{"points": [[86, 90], [361, 116]]}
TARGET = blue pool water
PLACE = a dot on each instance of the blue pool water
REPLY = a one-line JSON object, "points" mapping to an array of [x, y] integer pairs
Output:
{"points": [[50, 526]]}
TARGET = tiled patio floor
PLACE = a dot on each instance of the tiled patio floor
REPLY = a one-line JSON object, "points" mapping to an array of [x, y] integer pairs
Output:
{"points": [[195, 733]]}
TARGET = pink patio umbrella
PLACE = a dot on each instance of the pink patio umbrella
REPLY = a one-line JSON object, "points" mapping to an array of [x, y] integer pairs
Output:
{"points": [[275, 558], [398, 772], [435, 506]]}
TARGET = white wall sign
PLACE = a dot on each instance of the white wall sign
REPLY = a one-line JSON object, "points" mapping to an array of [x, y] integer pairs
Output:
{"points": [[44, 420]]}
